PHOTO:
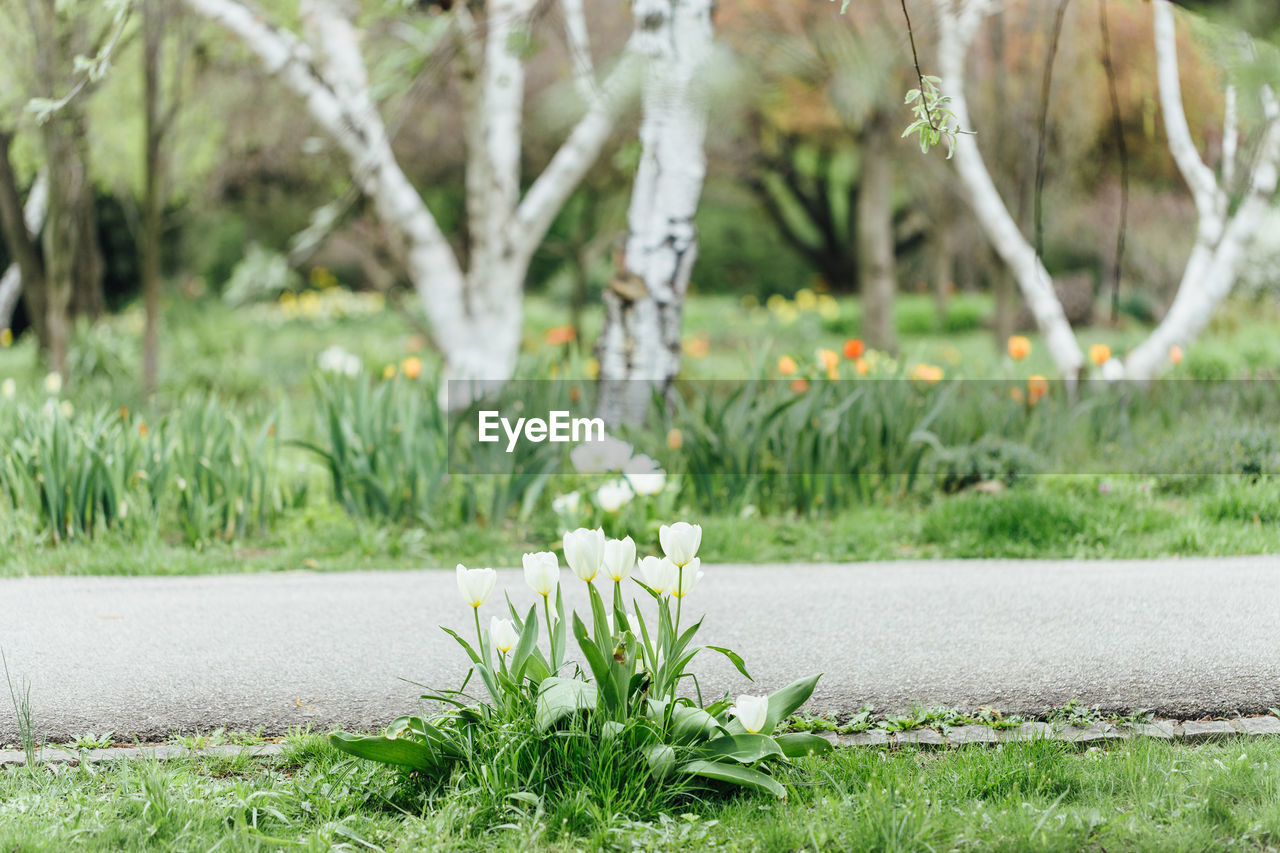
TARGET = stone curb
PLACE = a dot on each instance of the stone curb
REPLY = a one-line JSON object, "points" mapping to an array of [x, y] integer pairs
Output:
{"points": [[158, 752], [1087, 736], [1095, 735]]}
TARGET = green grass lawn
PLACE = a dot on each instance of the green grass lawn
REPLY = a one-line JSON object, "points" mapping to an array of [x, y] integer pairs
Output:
{"points": [[1038, 795]]}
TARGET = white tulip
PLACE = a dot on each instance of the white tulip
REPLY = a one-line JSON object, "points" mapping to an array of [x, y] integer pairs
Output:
{"points": [[660, 574], [566, 504], [8, 389], [542, 572], [335, 359], [476, 585], [752, 712], [503, 634], [687, 578], [680, 541], [597, 457], [644, 475], [1113, 370], [614, 495], [619, 558], [53, 382], [584, 552]]}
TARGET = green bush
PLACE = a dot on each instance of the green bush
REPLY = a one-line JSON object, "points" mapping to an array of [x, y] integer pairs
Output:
{"points": [[989, 458]]}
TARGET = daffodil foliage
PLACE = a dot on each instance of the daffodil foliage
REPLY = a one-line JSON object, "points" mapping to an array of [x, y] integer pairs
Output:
{"points": [[628, 696]]}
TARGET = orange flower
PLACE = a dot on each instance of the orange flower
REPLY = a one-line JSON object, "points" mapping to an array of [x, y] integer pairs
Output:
{"points": [[674, 439], [1016, 395], [929, 374], [124, 413], [142, 429], [1019, 347], [1099, 354], [698, 346], [575, 393], [828, 359], [861, 366], [1175, 354], [412, 367], [787, 365], [800, 385], [1037, 387], [558, 335], [853, 349]]}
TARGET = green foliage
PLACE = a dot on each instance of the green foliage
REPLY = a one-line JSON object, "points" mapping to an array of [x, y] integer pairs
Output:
{"points": [[935, 123], [989, 458]]}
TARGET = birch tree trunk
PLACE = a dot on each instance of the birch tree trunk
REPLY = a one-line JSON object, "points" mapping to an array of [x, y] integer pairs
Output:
{"points": [[475, 314], [639, 346], [957, 23], [33, 220], [1221, 237]]}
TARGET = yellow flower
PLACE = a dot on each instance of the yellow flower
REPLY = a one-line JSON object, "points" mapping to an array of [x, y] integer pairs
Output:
{"points": [[828, 308], [828, 359], [860, 365], [591, 367], [929, 374], [787, 365], [806, 299], [1099, 354], [674, 439], [1019, 347], [6, 337], [411, 367], [53, 382], [389, 371]]}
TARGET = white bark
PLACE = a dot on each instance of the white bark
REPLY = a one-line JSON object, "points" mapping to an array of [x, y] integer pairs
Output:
{"points": [[639, 349], [957, 23], [33, 216], [476, 315], [1221, 238]]}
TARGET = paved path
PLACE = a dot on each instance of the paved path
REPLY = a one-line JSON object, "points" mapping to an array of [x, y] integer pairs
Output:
{"points": [[149, 656]]}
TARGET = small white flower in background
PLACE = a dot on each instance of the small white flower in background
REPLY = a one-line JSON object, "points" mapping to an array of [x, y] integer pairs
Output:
{"points": [[614, 495], [124, 510], [644, 475], [53, 382], [680, 541], [1113, 370], [182, 484], [66, 408], [567, 504], [752, 712], [687, 578], [335, 359], [542, 572], [619, 558], [8, 389], [476, 585], [503, 634], [597, 457], [584, 552], [659, 573]]}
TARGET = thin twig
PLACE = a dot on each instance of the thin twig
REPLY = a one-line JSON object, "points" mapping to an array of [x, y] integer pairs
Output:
{"points": [[915, 58], [1118, 127], [1045, 88]]}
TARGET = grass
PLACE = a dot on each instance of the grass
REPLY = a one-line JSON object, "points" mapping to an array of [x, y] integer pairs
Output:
{"points": [[1051, 516], [1037, 795]]}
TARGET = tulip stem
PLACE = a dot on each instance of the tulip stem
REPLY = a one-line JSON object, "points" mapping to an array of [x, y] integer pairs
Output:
{"points": [[475, 611], [551, 634]]}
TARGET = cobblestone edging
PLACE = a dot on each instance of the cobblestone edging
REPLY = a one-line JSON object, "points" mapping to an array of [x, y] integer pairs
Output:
{"points": [[1096, 735]]}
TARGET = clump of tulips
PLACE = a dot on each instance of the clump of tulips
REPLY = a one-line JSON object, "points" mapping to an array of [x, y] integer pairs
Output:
{"points": [[635, 669]]}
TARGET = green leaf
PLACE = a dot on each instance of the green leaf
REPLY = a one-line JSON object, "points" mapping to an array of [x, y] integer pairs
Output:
{"points": [[785, 702], [743, 748], [688, 724], [799, 744], [735, 774], [528, 642], [595, 660], [387, 750], [734, 658], [559, 697]]}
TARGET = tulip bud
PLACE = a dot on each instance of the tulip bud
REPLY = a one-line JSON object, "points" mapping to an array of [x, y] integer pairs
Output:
{"points": [[660, 574], [476, 585], [687, 578], [619, 558], [752, 712], [680, 541], [542, 572], [503, 634], [584, 552]]}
